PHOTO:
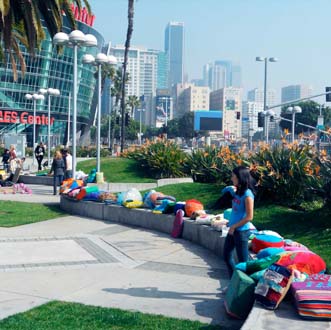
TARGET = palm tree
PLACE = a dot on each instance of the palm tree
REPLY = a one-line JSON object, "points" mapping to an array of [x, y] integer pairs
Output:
{"points": [[108, 71], [20, 22], [116, 91], [133, 102], [126, 53]]}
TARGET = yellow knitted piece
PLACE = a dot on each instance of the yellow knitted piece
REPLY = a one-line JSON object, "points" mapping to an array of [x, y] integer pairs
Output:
{"points": [[133, 204]]}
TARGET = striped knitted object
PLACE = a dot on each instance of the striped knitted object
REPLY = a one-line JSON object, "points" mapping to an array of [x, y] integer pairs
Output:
{"points": [[313, 297]]}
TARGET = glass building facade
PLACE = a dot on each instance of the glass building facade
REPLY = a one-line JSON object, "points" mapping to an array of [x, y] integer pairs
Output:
{"points": [[49, 68], [174, 47]]}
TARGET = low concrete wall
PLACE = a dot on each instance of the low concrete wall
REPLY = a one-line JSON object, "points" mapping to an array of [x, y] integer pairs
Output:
{"points": [[34, 179], [199, 234], [203, 235], [108, 186], [164, 182]]}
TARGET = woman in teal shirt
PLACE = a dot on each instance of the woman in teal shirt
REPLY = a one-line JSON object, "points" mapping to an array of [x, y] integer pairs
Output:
{"points": [[242, 214]]}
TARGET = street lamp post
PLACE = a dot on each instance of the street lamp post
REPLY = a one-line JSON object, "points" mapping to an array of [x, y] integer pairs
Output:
{"points": [[268, 114], [140, 110], [100, 60], [265, 60], [293, 111], [34, 97], [69, 110], [75, 39], [49, 92]]}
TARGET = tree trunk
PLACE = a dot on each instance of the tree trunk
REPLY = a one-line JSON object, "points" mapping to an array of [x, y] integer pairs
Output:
{"points": [[126, 53], [113, 124]]}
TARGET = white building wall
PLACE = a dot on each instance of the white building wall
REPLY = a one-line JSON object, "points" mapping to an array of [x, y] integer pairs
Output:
{"points": [[142, 69], [250, 117], [230, 122]]}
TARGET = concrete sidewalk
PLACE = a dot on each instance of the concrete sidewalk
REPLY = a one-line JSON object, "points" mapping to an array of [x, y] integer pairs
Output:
{"points": [[106, 264]]}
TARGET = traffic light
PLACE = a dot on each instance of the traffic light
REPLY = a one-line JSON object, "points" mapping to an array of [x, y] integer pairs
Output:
{"points": [[260, 119], [127, 119], [117, 120], [328, 96], [238, 115], [272, 119]]}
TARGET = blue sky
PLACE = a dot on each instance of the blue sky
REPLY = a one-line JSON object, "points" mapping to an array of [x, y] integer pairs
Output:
{"points": [[298, 32]]}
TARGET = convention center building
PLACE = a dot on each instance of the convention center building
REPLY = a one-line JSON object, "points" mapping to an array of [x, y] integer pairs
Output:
{"points": [[50, 68]]}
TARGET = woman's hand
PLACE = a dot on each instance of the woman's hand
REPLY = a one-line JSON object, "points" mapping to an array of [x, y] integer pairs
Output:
{"points": [[231, 230]]}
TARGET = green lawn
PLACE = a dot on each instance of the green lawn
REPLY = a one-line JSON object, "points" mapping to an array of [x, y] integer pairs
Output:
{"points": [[117, 170], [20, 213], [207, 194], [311, 228], [64, 316]]}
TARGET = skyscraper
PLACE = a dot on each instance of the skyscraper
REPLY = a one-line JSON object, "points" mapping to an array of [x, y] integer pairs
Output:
{"points": [[257, 95], [294, 92], [174, 48], [221, 74], [145, 68]]}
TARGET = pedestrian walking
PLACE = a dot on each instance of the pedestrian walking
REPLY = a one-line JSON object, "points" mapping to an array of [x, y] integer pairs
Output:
{"points": [[12, 152], [58, 168], [68, 164], [39, 153], [5, 159]]}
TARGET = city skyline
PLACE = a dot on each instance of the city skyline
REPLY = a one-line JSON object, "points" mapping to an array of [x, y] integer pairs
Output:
{"points": [[295, 32]]}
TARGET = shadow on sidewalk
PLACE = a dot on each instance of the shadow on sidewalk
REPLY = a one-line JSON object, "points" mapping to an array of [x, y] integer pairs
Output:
{"points": [[208, 305]]}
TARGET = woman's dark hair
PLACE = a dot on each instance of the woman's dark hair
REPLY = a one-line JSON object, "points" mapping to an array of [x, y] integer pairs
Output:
{"points": [[245, 180]]}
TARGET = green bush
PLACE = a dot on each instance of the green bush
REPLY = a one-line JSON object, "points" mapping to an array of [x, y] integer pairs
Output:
{"points": [[288, 175], [324, 168], [162, 159], [29, 152], [213, 165]]}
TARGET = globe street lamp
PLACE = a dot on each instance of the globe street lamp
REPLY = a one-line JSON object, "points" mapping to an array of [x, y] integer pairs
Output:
{"points": [[49, 92], [265, 60], [293, 111], [34, 97], [75, 39], [99, 60]]}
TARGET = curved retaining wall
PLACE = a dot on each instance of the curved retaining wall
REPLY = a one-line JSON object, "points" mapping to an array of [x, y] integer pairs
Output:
{"points": [[259, 318], [199, 234]]}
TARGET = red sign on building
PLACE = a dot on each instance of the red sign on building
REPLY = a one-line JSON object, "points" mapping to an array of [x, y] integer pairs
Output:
{"points": [[83, 15], [12, 117]]}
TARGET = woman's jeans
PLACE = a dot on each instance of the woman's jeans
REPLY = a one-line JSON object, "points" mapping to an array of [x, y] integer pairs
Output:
{"points": [[57, 180], [238, 241]]}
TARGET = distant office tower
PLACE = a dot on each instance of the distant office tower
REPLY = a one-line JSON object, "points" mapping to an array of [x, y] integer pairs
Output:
{"points": [[205, 75], [178, 101], [147, 69], [250, 112], [195, 98], [257, 95], [228, 100], [294, 92], [198, 82], [174, 48], [222, 74], [255, 98], [236, 76], [162, 71]]}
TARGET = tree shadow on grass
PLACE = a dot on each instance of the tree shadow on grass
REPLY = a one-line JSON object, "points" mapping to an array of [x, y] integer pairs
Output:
{"points": [[55, 207], [137, 170]]}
